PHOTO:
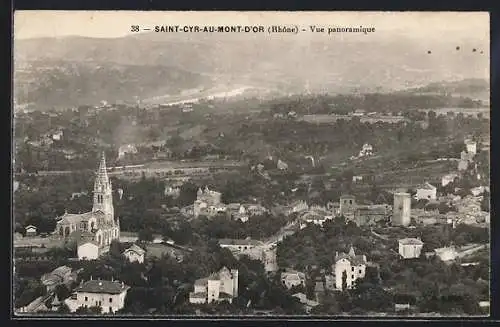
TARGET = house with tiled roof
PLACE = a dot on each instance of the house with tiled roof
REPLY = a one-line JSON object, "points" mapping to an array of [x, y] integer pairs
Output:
{"points": [[134, 254], [109, 295], [291, 278], [426, 191], [60, 276], [348, 267], [219, 286]]}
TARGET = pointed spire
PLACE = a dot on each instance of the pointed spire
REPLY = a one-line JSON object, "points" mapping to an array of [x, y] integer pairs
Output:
{"points": [[351, 252], [102, 173]]}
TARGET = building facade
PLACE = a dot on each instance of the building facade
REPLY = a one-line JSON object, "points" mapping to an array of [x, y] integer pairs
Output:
{"points": [[89, 250], [208, 203], [109, 295], [254, 249], [134, 254], [30, 231], [401, 210], [370, 215], [348, 268], [410, 248], [291, 278], [99, 225], [426, 192], [347, 206], [220, 286]]}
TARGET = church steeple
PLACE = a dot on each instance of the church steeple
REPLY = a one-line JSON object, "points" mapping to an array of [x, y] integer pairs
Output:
{"points": [[351, 251], [103, 198]]}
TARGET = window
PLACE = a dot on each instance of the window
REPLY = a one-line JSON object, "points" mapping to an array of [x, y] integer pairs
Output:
{"points": [[352, 268], [350, 201], [110, 310], [110, 300], [86, 299], [352, 277], [360, 271], [100, 303]]}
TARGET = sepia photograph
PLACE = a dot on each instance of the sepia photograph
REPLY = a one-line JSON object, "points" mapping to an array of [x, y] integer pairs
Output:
{"points": [[325, 165]]}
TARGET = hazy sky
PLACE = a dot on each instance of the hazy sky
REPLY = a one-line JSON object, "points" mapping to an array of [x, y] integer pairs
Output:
{"points": [[29, 24]]}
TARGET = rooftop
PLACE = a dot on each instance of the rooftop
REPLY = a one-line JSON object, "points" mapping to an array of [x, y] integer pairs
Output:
{"points": [[427, 186], [411, 241], [136, 249], [229, 241], [103, 286], [72, 218]]}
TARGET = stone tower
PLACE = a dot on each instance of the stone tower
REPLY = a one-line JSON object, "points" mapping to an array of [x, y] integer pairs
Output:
{"points": [[401, 210], [103, 196]]}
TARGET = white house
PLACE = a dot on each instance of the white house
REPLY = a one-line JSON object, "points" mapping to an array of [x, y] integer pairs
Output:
{"points": [[357, 178], [351, 266], [220, 286], [57, 136], [476, 191], [446, 254], [134, 254], [291, 278], [109, 295], [410, 247], [426, 192], [88, 251], [281, 165], [447, 179], [30, 230], [471, 146]]}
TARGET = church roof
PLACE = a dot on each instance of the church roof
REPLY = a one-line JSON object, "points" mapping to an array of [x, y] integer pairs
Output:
{"points": [[75, 218], [410, 241]]}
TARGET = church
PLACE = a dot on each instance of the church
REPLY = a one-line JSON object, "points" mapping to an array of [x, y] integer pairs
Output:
{"points": [[98, 226]]}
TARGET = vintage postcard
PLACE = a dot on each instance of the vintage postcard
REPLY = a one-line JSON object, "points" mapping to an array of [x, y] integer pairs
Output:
{"points": [[251, 164]]}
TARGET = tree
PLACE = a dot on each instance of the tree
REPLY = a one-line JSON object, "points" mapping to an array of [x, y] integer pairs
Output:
{"points": [[63, 308], [62, 292], [485, 202], [344, 280], [115, 249]]}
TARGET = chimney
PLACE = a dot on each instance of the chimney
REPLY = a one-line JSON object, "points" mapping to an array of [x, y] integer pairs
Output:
{"points": [[123, 285], [90, 277]]}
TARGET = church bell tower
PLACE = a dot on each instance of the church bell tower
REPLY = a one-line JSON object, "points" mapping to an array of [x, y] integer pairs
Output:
{"points": [[103, 195]]}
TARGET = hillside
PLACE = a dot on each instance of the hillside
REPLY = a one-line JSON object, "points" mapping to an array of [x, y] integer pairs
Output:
{"points": [[471, 87], [62, 83], [288, 64]]}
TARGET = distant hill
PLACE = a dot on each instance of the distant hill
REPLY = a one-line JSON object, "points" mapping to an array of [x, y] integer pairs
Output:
{"points": [[56, 83], [470, 85], [290, 64]]}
